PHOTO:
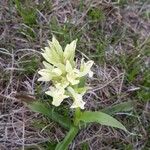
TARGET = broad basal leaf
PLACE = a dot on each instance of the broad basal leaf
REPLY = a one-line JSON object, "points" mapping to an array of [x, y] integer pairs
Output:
{"points": [[123, 107], [101, 118], [49, 112]]}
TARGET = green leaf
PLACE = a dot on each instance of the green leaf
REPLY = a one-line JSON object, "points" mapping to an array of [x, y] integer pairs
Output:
{"points": [[123, 107], [68, 139], [49, 112], [101, 118]]}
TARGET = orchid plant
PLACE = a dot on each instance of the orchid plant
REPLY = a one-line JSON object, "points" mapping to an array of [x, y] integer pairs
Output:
{"points": [[67, 79]]}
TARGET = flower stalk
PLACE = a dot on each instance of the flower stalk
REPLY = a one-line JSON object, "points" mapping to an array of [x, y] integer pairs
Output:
{"points": [[77, 115]]}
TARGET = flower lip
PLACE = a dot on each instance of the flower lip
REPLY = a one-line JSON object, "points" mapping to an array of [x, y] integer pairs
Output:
{"points": [[78, 101]]}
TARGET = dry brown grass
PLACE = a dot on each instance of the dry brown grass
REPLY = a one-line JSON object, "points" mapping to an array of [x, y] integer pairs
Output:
{"points": [[18, 124]]}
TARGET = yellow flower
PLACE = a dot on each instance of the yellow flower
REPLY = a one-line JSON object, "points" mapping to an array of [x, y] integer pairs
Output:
{"points": [[78, 101], [63, 82], [49, 73], [54, 45], [54, 53], [46, 75], [69, 52], [71, 74], [85, 68], [57, 71], [58, 94]]}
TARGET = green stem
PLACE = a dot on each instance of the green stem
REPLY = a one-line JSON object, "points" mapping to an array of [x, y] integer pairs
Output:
{"points": [[74, 129], [77, 116], [68, 139]]}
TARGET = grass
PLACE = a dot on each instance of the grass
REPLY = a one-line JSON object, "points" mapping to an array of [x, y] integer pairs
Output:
{"points": [[115, 35]]}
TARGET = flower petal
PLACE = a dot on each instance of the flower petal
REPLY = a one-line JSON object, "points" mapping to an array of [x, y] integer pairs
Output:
{"points": [[46, 75], [71, 77], [57, 71], [68, 66], [47, 65], [69, 52], [57, 46], [53, 53]]}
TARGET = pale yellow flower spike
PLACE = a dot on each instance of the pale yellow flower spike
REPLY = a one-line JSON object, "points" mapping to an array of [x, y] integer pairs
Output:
{"points": [[60, 69]]}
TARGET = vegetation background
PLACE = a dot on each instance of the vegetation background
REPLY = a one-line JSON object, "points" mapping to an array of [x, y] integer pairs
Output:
{"points": [[113, 33]]}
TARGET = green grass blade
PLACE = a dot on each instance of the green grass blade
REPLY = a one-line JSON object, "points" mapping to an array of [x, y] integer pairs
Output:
{"points": [[49, 112], [102, 118]]}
